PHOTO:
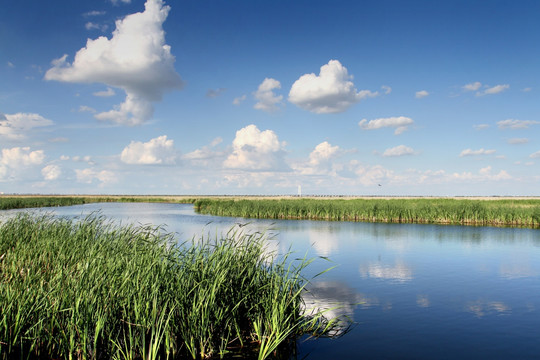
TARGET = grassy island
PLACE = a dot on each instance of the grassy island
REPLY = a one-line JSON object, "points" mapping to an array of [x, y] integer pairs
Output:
{"points": [[88, 289], [507, 212]]}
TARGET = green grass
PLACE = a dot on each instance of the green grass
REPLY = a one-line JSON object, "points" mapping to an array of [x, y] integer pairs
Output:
{"points": [[23, 202], [439, 211], [88, 289]]}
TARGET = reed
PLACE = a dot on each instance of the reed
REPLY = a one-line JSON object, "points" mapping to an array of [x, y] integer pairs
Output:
{"points": [[89, 289], [437, 211]]}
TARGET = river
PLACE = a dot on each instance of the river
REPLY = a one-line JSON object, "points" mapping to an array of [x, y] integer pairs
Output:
{"points": [[413, 291]]}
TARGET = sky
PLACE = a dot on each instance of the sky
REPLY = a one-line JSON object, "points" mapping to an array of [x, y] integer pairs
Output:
{"points": [[216, 97]]}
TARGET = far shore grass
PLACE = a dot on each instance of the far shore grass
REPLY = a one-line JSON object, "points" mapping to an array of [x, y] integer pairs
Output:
{"points": [[479, 211]]}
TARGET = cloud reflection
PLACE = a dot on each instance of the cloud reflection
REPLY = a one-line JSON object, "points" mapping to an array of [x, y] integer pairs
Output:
{"points": [[337, 299], [481, 308], [399, 272]]}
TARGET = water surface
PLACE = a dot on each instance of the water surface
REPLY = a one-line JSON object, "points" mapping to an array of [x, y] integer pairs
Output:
{"points": [[414, 291]]}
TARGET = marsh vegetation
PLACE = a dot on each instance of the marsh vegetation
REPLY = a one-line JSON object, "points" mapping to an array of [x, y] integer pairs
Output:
{"points": [[420, 210], [90, 289]]}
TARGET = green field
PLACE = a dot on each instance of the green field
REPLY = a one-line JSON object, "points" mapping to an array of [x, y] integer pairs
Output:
{"points": [[507, 212], [87, 289]]}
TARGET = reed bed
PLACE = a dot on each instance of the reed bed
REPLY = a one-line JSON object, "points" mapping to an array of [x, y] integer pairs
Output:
{"points": [[89, 289], [24, 202], [435, 211]]}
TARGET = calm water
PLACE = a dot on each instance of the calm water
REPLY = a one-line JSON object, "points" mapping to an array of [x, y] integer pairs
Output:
{"points": [[414, 291]]}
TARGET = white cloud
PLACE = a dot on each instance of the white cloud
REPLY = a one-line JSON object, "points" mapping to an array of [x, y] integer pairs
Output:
{"points": [[482, 151], [487, 90], [516, 124], [115, 2], [21, 156], [89, 175], [322, 153], [400, 150], [515, 141], [94, 26], [203, 155], [535, 155], [94, 13], [156, 151], [10, 64], [16, 159], [387, 89], [255, 150], [105, 93], [472, 86], [267, 100], [84, 108], [527, 89], [239, 100], [481, 126], [51, 172], [212, 93], [399, 122], [494, 90], [332, 91], [421, 94], [15, 126], [372, 175], [136, 59]]}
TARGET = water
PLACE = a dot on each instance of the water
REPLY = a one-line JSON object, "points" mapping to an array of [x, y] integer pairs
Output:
{"points": [[414, 291]]}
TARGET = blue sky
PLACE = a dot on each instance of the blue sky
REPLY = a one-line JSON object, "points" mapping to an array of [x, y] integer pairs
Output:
{"points": [[260, 97]]}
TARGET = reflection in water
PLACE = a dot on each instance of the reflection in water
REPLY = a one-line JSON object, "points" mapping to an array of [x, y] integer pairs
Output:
{"points": [[422, 301], [517, 271], [399, 272], [324, 241], [482, 308], [337, 299]]}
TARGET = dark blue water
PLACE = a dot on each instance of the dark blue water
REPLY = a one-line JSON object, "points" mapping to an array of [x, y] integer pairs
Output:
{"points": [[413, 291]]}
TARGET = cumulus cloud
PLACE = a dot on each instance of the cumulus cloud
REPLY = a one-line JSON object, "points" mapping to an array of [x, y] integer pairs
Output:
{"points": [[400, 150], [401, 123], [156, 151], [256, 150], [239, 100], [482, 151], [136, 59], [89, 175], [472, 86], [17, 158], [105, 93], [203, 155], [421, 94], [332, 91], [514, 124], [267, 100], [21, 156], [51, 172], [322, 153], [15, 126], [515, 141]]}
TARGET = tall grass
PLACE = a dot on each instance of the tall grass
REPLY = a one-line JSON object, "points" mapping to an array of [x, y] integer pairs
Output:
{"points": [[89, 289], [442, 211], [22, 202]]}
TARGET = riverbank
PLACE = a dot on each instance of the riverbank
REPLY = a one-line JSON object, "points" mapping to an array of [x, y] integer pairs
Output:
{"points": [[89, 289], [480, 211], [493, 212]]}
